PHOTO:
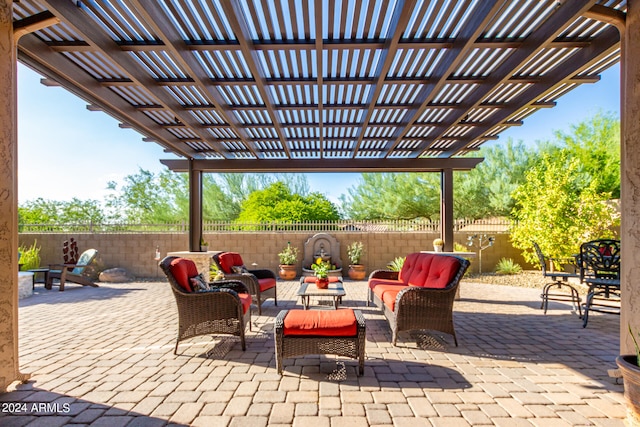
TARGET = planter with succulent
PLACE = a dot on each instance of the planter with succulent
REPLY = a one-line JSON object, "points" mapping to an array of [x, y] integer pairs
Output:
{"points": [[321, 270], [288, 259], [357, 271], [438, 245], [204, 245], [630, 368]]}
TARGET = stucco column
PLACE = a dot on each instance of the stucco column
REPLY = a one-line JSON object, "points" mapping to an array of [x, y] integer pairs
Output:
{"points": [[9, 370], [630, 177]]}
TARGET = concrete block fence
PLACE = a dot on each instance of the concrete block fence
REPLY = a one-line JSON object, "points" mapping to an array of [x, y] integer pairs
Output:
{"points": [[136, 252]]}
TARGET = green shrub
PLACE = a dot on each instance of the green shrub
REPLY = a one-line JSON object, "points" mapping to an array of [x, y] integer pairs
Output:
{"points": [[396, 264], [457, 247], [29, 256], [508, 266]]}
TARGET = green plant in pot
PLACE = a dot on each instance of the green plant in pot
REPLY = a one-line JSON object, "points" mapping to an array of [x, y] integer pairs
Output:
{"points": [[630, 369], [204, 245], [288, 259], [356, 270], [321, 270]]}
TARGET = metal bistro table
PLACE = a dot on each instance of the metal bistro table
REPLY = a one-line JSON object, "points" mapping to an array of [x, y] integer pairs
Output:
{"points": [[309, 289]]}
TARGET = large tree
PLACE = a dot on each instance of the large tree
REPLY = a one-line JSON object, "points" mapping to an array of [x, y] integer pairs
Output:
{"points": [[278, 203], [595, 143], [481, 192], [75, 211]]}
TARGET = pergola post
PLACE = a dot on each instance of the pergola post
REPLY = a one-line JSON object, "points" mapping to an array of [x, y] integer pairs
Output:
{"points": [[195, 208], [9, 368], [630, 177], [446, 208]]}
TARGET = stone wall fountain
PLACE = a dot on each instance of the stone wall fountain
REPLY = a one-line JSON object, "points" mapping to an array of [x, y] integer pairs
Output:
{"points": [[325, 246]]}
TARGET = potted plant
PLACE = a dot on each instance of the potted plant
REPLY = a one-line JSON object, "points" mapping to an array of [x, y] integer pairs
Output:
{"points": [[204, 245], [321, 269], [288, 258], [438, 245], [354, 252], [628, 364]]}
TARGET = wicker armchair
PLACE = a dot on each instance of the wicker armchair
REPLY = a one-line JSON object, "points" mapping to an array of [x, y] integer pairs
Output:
{"points": [[223, 310], [417, 306], [260, 282]]}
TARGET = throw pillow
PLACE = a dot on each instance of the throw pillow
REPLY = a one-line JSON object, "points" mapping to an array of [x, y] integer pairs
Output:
{"points": [[239, 269], [199, 284]]}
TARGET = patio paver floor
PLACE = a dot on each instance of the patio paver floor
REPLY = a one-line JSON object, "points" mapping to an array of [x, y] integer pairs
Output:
{"points": [[104, 357]]}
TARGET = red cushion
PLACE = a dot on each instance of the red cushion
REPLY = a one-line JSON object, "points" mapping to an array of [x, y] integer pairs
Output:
{"points": [[228, 260], [388, 293], [312, 279], [267, 283], [245, 299], [328, 323], [375, 282], [428, 270], [182, 270], [443, 269]]}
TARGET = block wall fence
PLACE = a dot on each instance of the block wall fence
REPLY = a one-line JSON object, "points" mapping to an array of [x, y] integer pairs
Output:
{"points": [[135, 252]]}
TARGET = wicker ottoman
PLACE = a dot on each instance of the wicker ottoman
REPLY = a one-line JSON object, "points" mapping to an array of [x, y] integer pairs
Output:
{"points": [[300, 332]]}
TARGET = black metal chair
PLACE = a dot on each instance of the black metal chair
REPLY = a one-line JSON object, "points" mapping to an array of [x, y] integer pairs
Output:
{"points": [[559, 279], [600, 269]]}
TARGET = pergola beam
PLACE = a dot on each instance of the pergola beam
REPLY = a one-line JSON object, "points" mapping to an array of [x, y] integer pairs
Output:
{"points": [[608, 42], [35, 54], [335, 165], [504, 73]]}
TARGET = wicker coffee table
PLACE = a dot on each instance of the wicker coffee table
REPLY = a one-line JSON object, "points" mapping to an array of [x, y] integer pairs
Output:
{"points": [[308, 290]]}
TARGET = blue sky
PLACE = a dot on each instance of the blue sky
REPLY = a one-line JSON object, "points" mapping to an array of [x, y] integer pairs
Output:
{"points": [[66, 151]]}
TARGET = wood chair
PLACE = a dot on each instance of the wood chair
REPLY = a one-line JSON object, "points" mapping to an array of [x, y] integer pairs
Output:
{"points": [[72, 272], [225, 309]]}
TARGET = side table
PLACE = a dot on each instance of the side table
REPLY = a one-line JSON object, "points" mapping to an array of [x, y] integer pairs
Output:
{"points": [[45, 275]]}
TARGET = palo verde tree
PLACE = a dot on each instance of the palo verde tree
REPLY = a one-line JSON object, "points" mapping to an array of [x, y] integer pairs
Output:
{"points": [[559, 207]]}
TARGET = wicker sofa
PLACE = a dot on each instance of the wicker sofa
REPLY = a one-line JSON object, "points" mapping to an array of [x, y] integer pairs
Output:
{"points": [[419, 296]]}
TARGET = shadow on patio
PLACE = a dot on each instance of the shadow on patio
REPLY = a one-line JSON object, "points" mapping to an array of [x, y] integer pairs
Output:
{"points": [[112, 348]]}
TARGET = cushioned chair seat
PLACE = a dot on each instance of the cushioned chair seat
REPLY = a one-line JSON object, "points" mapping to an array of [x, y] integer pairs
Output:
{"points": [[266, 284], [245, 299]]}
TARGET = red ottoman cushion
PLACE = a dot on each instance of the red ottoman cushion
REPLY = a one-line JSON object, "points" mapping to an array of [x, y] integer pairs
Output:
{"points": [[334, 323]]}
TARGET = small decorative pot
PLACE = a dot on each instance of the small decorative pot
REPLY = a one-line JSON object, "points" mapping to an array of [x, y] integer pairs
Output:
{"points": [[204, 248], [357, 272], [287, 272], [438, 248], [322, 283]]}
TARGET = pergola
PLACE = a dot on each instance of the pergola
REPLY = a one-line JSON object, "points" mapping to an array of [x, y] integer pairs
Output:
{"points": [[316, 86]]}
